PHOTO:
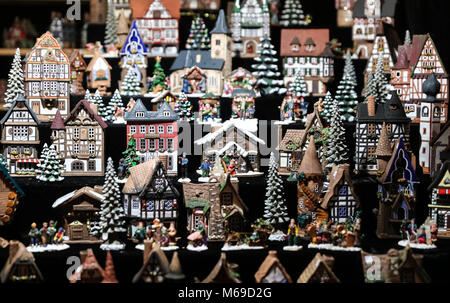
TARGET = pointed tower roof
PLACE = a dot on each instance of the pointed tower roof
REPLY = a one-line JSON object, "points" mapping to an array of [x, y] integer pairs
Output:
{"points": [[383, 146], [58, 122], [175, 271], [221, 26], [134, 43], [310, 164], [110, 274], [401, 157]]}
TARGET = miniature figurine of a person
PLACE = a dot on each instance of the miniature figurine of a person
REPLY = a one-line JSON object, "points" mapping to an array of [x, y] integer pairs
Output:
{"points": [[59, 236], [207, 112], [184, 161], [122, 168], [164, 236], [157, 233], [199, 236], [51, 231], [433, 232], [140, 232], [232, 167], [172, 232], [205, 167], [251, 111], [292, 233], [412, 229], [422, 237], [44, 234], [34, 235]]}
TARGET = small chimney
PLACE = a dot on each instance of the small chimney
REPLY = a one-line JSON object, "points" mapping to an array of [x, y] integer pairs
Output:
{"points": [[94, 108], [371, 106]]}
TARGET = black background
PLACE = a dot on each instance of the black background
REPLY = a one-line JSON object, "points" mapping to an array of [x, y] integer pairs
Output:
{"points": [[419, 16]]}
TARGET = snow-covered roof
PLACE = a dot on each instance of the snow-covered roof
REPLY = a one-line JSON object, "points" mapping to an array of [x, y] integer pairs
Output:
{"points": [[248, 126], [76, 193]]}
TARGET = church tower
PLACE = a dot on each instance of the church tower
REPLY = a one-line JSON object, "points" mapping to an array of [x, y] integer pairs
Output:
{"points": [[221, 43]]}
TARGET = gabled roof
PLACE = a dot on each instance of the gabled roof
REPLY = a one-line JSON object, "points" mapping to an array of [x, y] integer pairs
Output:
{"points": [[310, 164], [155, 256], [161, 95], [270, 262], [58, 122], [292, 136], [97, 56], [221, 26], [339, 175], [76, 55], [47, 41], [319, 37], [18, 254], [441, 177], [135, 39], [92, 114], [200, 58], [391, 111], [418, 44], [20, 100], [222, 272], [227, 184], [16, 186], [86, 190], [409, 173], [158, 115], [140, 8], [319, 261]]}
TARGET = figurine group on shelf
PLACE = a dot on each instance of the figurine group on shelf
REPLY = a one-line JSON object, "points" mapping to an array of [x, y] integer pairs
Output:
{"points": [[423, 237], [160, 235], [47, 238]]}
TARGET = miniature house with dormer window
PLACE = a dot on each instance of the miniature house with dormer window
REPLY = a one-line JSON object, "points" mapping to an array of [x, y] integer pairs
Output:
{"points": [[98, 74], [77, 69]]}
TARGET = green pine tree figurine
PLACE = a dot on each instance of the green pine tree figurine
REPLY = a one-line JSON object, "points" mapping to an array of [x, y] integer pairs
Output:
{"points": [[336, 152], [327, 106], [130, 86], [159, 82], [347, 99], [98, 100], [130, 154]]}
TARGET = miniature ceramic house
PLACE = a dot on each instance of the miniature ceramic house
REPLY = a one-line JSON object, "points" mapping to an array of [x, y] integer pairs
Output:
{"points": [[239, 78], [20, 266], [154, 269], [90, 270], [209, 108], [250, 22], [397, 266], [80, 140], [10, 192], [223, 272], [149, 194], [307, 51], [340, 199], [77, 69], [440, 201], [440, 147], [47, 78], [370, 118], [380, 48], [79, 208], [203, 5], [396, 192], [344, 12], [157, 21], [20, 138], [134, 56], [236, 139], [272, 271], [216, 204], [368, 19], [291, 152], [155, 133], [203, 71], [164, 96], [319, 270], [98, 74], [243, 104]]}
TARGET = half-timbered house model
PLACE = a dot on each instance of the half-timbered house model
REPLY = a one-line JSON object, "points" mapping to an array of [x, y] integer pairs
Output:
{"points": [[223, 272], [440, 201], [203, 71], [344, 12], [20, 266], [237, 140], [243, 104], [155, 133], [20, 138], [158, 21], [440, 149], [380, 48], [47, 78], [239, 78], [397, 194], [217, 204], [149, 195], [414, 64], [369, 121], [98, 74], [134, 57], [202, 5], [80, 140], [340, 199], [272, 271], [79, 209], [77, 69], [368, 19], [396, 266], [307, 51], [319, 270], [10, 193], [250, 22]]}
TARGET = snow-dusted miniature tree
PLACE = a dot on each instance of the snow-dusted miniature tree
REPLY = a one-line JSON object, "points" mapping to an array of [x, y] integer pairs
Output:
{"points": [[183, 108], [275, 210], [130, 85], [130, 154], [98, 100], [15, 80], [112, 215], [298, 87], [336, 152], [407, 38], [370, 90], [51, 169], [347, 99], [42, 160], [111, 37], [4, 162], [116, 100], [159, 82], [380, 83], [292, 14], [198, 35], [87, 96], [266, 70], [327, 106], [349, 69]]}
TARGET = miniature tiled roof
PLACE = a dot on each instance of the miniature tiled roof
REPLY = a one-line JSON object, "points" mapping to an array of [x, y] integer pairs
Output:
{"points": [[140, 8], [158, 115], [58, 122], [86, 190], [317, 262], [319, 37], [383, 146], [269, 262], [409, 173], [87, 107], [221, 26], [391, 111], [404, 56], [310, 164], [292, 136], [199, 58], [18, 253], [140, 176], [222, 272], [20, 98], [338, 176], [418, 43]]}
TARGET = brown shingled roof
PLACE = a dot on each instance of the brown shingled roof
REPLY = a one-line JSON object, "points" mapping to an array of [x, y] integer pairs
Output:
{"points": [[58, 122], [322, 263], [383, 146], [87, 106], [140, 7], [320, 37], [269, 262], [310, 164], [292, 136], [140, 176]]}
